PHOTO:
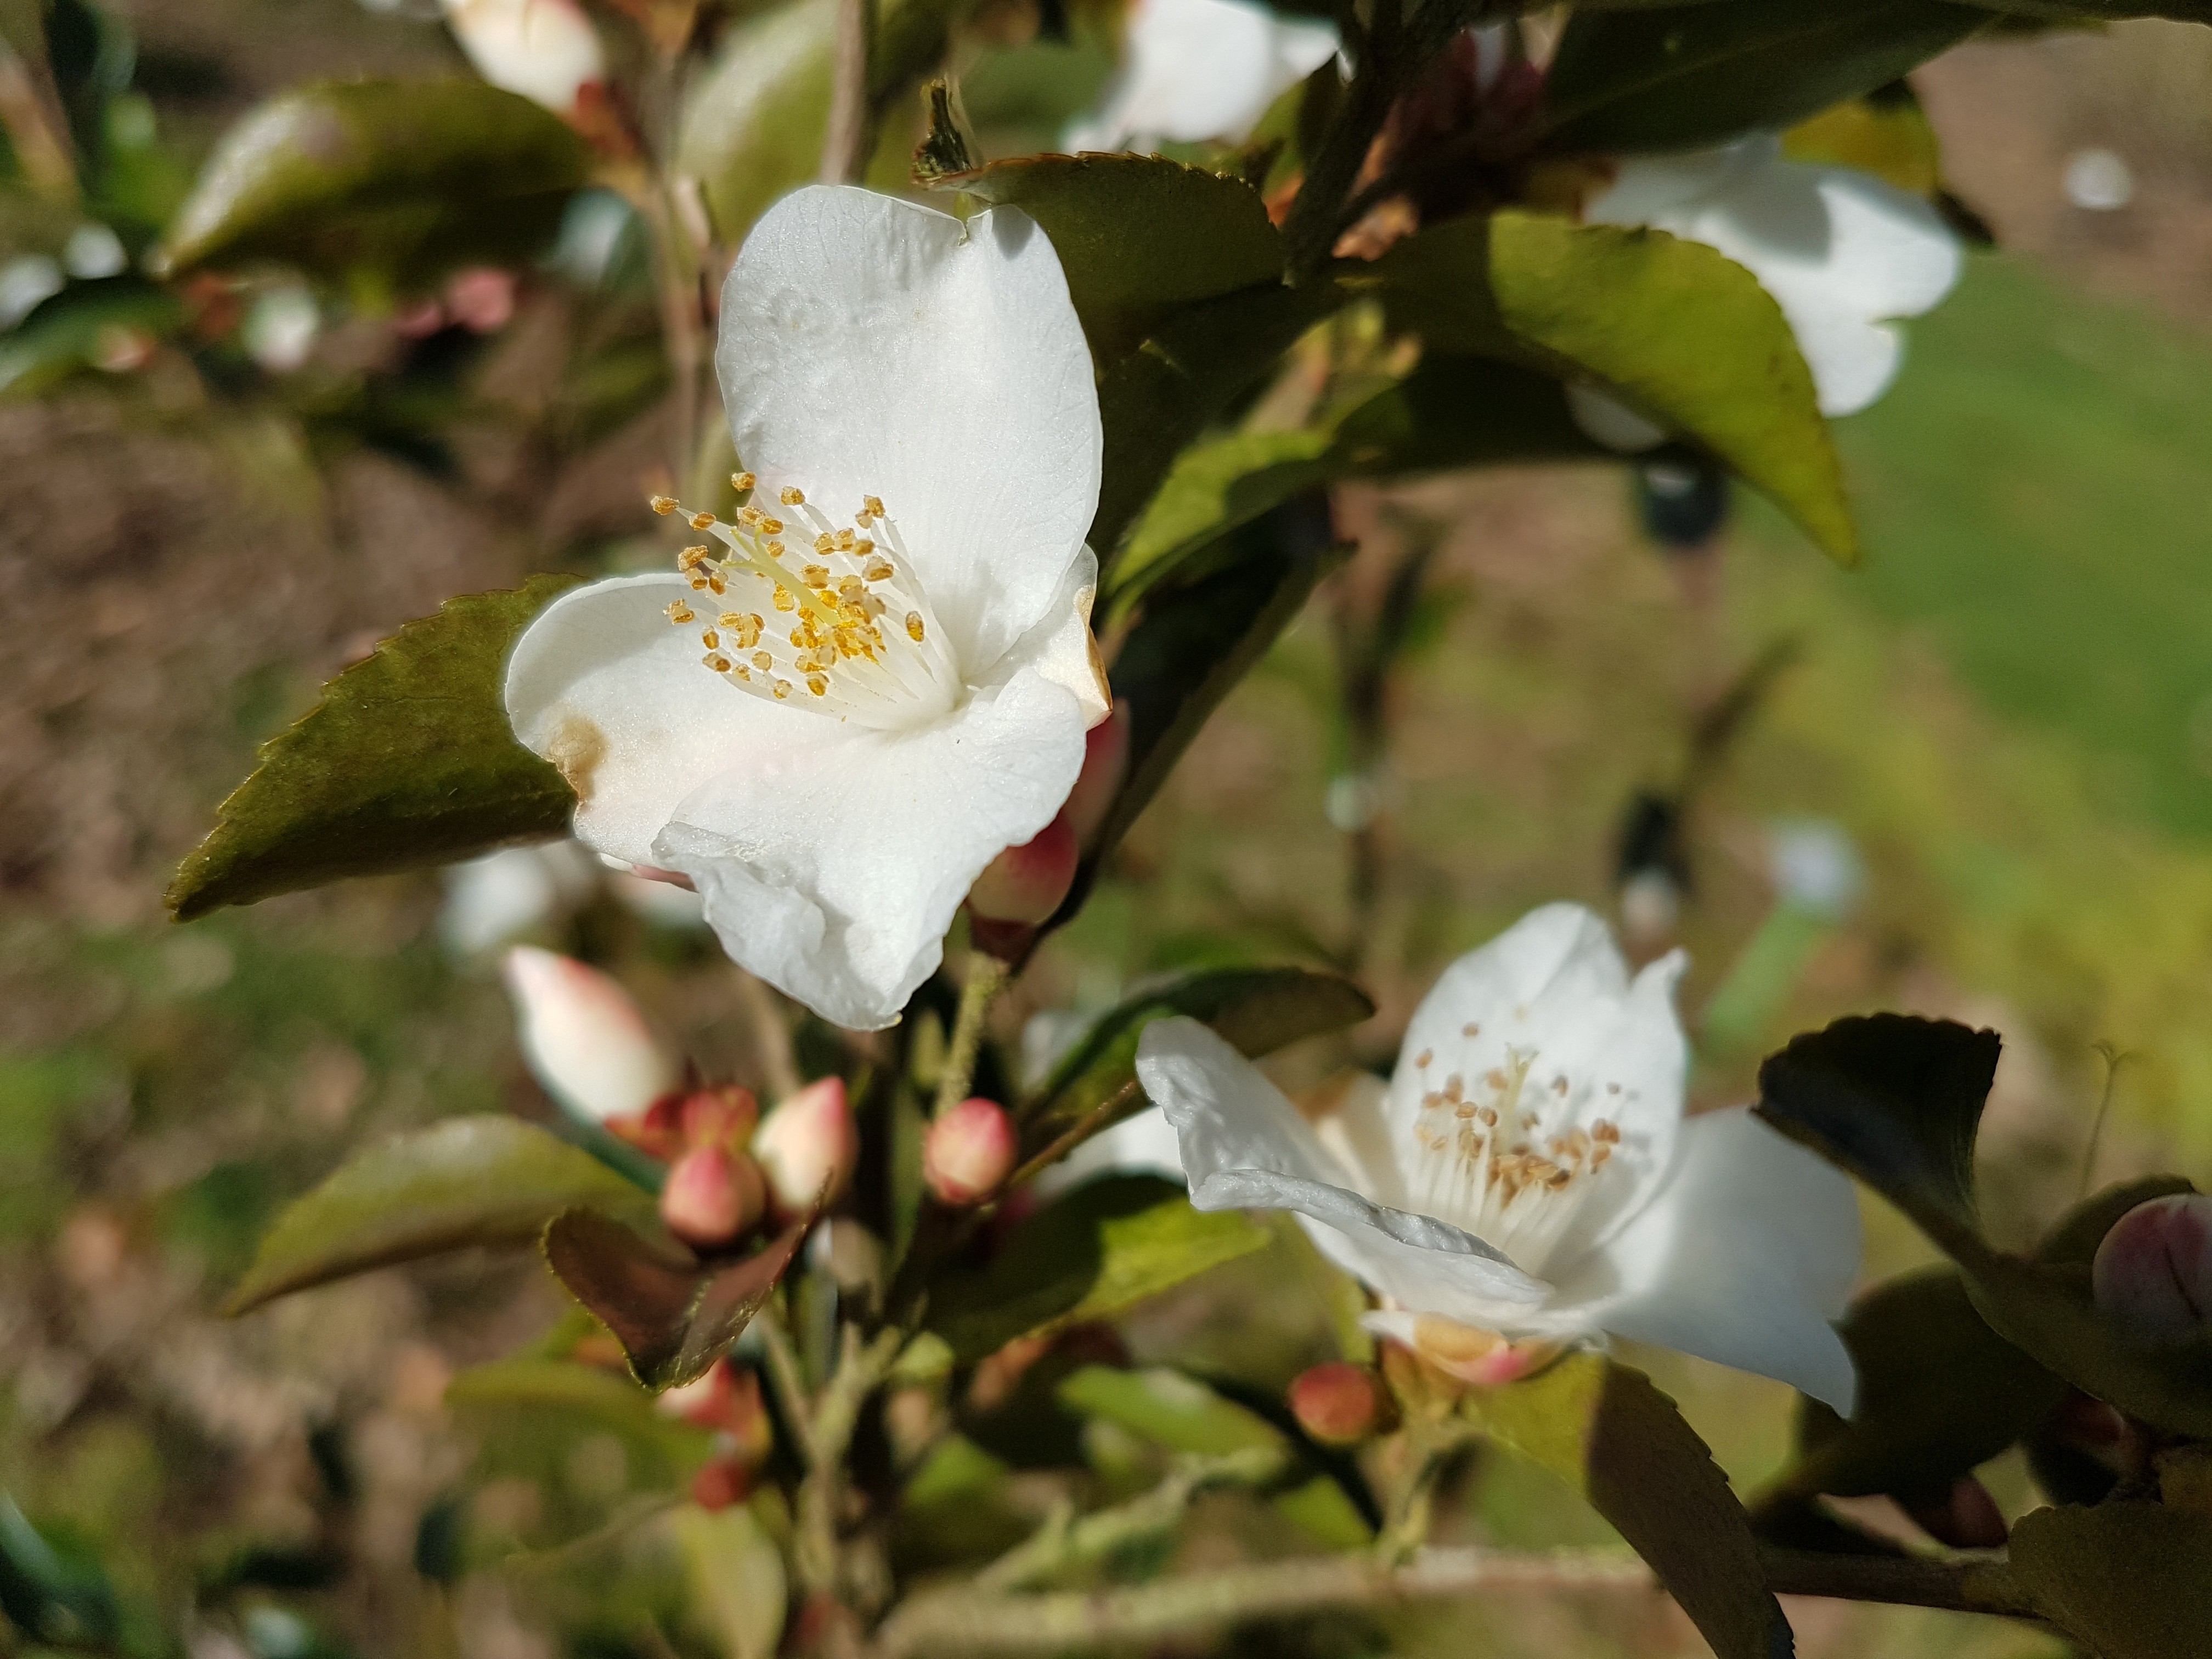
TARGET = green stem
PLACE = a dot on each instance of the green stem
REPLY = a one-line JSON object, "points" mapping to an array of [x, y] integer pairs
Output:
{"points": [[828, 1437], [987, 975]]}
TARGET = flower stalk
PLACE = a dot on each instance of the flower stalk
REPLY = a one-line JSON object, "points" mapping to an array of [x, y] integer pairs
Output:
{"points": [[986, 977]]}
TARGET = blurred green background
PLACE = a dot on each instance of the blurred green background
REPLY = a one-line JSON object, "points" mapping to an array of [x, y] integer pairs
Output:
{"points": [[2009, 709]]}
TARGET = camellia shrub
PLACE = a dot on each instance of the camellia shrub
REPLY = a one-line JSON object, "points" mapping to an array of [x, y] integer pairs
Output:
{"points": [[996, 431]]}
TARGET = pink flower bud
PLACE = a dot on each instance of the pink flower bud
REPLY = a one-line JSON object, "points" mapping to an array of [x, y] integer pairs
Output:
{"points": [[583, 1037], [806, 1145], [1105, 763], [546, 50], [724, 1116], [480, 300], [968, 1151], [1026, 884], [713, 1196], [1341, 1404], [2152, 1275]]}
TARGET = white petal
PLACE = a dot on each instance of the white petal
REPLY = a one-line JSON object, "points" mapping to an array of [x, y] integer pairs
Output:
{"points": [[494, 898], [1744, 1257], [873, 346], [1061, 647], [1195, 69], [1244, 1146], [605, 688], [1143, 1144], [583, 1037], [1606, 420], [546, 50], [833, 871]]}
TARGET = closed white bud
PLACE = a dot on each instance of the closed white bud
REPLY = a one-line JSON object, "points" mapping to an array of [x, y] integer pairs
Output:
{"points": [[583, 1037], [808, 1148]]}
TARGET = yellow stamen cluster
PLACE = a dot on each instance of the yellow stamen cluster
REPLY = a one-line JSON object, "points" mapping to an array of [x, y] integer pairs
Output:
{"points": [[1490, 1138]]}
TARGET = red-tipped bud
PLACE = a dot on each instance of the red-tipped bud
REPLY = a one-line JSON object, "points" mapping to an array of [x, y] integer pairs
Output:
{"points": [[724, 1116], [2152, 1275], [1026, 884], [713, 1196], [1341, 1404], [584, 1037], [968, 1153], [1966, 1517], [1105, 763], [806, 1146]]}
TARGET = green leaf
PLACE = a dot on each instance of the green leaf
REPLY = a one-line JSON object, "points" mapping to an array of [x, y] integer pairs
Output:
{"points": [[1256, 1009], [411, 178], [1940, 1393], [2131, 1581], [2075, 1235], [1092, 1255], [673, 1317], [736, 1577], [1605, 1431], [1170, 1409], [1670, 77], [407, 760], [1453, 412], [468, 1180], [574, 1400], [50, 1595], [1895, 1100], [1674, 327], [1138, 236]]}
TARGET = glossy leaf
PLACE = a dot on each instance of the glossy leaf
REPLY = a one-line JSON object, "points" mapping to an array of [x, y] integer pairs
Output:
{"points": [[1605, 1431], [1257, 1009], [1670, 77], [1092, 1255], [468, 1180], [1170, 1409], [407, 760], [1138, 236], [406, 177], [673, 1316], [1674, 327], [2130, 1581]]}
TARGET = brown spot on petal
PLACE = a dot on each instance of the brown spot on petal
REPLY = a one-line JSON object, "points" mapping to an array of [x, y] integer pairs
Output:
{"points": [[576, 748]]}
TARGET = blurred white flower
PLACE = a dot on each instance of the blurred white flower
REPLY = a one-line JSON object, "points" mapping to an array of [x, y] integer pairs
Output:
{"points": [[279, 328], [546, 50], [1197, 69], [93, 251], [516, 890], [1843, 254], [583, 1037], [856, 710], [1528, 1173], [27, 284], [2100, 180], [1816, 867]]}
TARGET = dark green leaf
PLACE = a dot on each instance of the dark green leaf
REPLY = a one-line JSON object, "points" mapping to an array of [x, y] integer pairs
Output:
{"points": [[1093, 1254], [50, 1595], [673, 1317], [1257, 1009], [1453, 412], [1170, 1409], [2076, 1234], [467, 1181], [1605, 1431], [1674, 327], [2132, 1581], [1138, 236], [410, 178], [1669, 76], [1940, 1393], [407, 760]]}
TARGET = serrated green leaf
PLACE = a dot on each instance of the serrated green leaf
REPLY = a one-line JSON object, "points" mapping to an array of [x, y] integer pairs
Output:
{"points": [[674, 1317], [1138, 235], [1677, 329], [1256, 1009], [481, 1180], [1670, 77], [1171, 1409], [1604, 1429], [2131, 1581], [410, 178], [1092, 1255], [407, 760]]}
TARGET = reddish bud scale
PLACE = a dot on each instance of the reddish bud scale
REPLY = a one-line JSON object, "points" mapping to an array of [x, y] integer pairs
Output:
{"points": [[713, 1196], [726, 1115], [1026, 884], [970, 1151], [1341, 1404]]}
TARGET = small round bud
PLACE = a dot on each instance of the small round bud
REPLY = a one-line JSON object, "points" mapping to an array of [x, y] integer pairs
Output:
{"points": [[724, 1116], [583, 1037], [2153, 1274], [968, 1151], [713, 1196], [806, 1147], [1341, 1404], [1026, 884]]}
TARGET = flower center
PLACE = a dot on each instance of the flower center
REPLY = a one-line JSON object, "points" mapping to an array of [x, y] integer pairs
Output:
{"points": [[815, 614], [1490, 1165]]}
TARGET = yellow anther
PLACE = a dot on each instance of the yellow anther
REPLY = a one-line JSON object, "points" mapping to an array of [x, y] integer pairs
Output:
{"points": [[913, 626], [792, 497], [814, 575], [678, 612], [718, 662], [732, 619], [878, 570], [763, 661], [823, 544], [845, 540], [702, 520], [783, 689], [776, 550], [849, 588], [751, 516], [664, 505], [698, 583], [692, 557], [717, 587], [783, 599], [817, 685], [711, 639], [874, 506], [741, 481], [771, 526]]}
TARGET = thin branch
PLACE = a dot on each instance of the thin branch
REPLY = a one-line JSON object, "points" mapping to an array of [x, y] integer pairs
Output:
{"points": [[836, 1413], [852, 115], [1099, 1117], [986, 975]]}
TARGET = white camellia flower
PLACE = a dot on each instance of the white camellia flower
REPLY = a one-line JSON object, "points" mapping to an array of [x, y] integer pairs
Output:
{"points": [[1843, 254], [880, 675], [1197, 69], [1528, 1173], [546, 50]]}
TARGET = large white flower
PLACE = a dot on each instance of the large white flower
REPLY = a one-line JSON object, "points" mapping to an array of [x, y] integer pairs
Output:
{"points": [[546, 50], [1197, 69], [1844, 254], [880, 675], [1528, 1171]]}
